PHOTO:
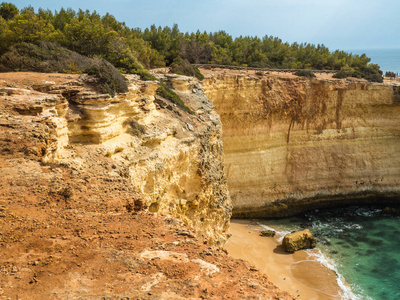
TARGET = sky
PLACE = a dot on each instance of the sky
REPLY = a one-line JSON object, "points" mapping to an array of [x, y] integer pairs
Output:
{"points": [[338, 24]]}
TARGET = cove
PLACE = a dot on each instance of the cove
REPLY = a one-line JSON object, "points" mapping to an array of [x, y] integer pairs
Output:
{"points": [[361, 242]]}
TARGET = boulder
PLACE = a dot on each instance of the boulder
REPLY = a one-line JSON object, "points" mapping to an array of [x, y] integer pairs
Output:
{"points": [[391, 211], [299, 240], [268, 233]]}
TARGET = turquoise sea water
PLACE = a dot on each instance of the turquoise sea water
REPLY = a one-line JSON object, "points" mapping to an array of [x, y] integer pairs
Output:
{"points": [[362, 243], [387, 59]]}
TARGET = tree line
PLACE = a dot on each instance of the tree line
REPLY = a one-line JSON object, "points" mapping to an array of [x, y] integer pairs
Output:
{"points": [[133, 50]]}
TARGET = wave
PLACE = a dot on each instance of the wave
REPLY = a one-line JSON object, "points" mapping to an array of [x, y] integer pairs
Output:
{"points": [[346, 290]]}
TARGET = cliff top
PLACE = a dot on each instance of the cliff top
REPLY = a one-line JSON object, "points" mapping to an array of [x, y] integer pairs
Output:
{"points": [[318, 75]]}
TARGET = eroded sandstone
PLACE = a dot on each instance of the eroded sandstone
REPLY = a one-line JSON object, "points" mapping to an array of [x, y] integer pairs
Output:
{"points": [[293, 144], [173, 159]]}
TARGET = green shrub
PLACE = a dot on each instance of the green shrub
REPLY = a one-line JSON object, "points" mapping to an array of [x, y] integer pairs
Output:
{"points": [[184, 67], [357, 74], [390, 74], [374, 77], [144, 74], [340, 75], [304, 73], [348, 71], [372, 73], [165, 92], [126, 62], [51, 58], [111, 80], [43, 57]]}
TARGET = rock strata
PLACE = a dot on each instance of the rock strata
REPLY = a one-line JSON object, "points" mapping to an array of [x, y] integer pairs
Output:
{"points": [[173, 159], [293, 144]]}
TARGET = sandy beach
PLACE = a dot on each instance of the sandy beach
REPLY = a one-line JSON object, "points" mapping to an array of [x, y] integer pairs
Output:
{"points": [[299, 274]]}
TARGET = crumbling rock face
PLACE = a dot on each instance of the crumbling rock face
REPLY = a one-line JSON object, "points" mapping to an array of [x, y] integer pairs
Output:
{"points": [[173, 159], [79, 172], [293, 144]]}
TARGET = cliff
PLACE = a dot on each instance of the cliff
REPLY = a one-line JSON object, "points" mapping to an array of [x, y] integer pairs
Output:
{"points": [[172, 160], [293, 144], [92, 189]]}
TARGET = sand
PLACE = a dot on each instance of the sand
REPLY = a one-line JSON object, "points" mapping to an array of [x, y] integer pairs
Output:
{"points": [[299, 274]]}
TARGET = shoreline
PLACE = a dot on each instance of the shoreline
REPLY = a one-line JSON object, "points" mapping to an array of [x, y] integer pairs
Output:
{"points": [[300, 273]]}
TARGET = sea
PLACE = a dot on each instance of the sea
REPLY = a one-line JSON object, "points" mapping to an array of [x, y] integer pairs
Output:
{"points": [[387, 59], [361, 244]]}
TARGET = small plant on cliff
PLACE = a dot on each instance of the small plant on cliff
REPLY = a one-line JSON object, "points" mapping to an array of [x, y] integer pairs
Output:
{"points": [[165, 92], [135, 128], [340, 75], [110, 79], [184, 67], [304, 73]]}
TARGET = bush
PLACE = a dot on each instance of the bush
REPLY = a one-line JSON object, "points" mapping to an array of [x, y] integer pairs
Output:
{"points": [[126, 62], [135, 128], [374, 78], [144, 74], [340, 75], [184, 67], [348, 71], [390, 74], [44, 57], [169, 94], [357, 74], [50, 58], [111, 80], [372, 73], [304, 73]]}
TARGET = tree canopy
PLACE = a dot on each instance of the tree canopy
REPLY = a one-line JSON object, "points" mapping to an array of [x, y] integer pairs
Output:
{"points": [[132, 50]]}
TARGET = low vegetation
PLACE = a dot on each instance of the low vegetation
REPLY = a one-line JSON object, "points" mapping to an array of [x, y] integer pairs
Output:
{"points": [[51, 58], [184, 67], [132, 50], [304, 73], [390, 74], [135, 128], [110, 80], [165, 92], [340, 75]]}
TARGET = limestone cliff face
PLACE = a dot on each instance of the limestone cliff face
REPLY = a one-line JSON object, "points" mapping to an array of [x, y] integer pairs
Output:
{"points": [[293, 144], [172, 158]]}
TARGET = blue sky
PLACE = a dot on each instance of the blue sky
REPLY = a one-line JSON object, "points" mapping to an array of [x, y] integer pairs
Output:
{"points": [[339, 24]]}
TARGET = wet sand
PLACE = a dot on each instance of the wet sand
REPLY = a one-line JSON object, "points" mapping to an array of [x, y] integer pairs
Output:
{"points": [[299, 274]]}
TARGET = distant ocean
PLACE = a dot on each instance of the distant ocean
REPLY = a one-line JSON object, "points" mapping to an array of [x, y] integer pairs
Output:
{"points": [[387, 59]]}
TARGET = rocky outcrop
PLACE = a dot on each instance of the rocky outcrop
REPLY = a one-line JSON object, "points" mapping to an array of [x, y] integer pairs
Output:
{"points": [[293, 144], [79, 172], [268, 233], [173, 159], [299, 240]]}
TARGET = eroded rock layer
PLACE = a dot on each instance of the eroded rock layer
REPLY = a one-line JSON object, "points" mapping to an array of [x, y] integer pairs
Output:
{"points": [[172, 158], [293, 144]]}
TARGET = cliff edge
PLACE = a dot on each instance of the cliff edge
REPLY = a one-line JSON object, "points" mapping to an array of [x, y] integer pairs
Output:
{"points": [[294, 143], [92, 189]]}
